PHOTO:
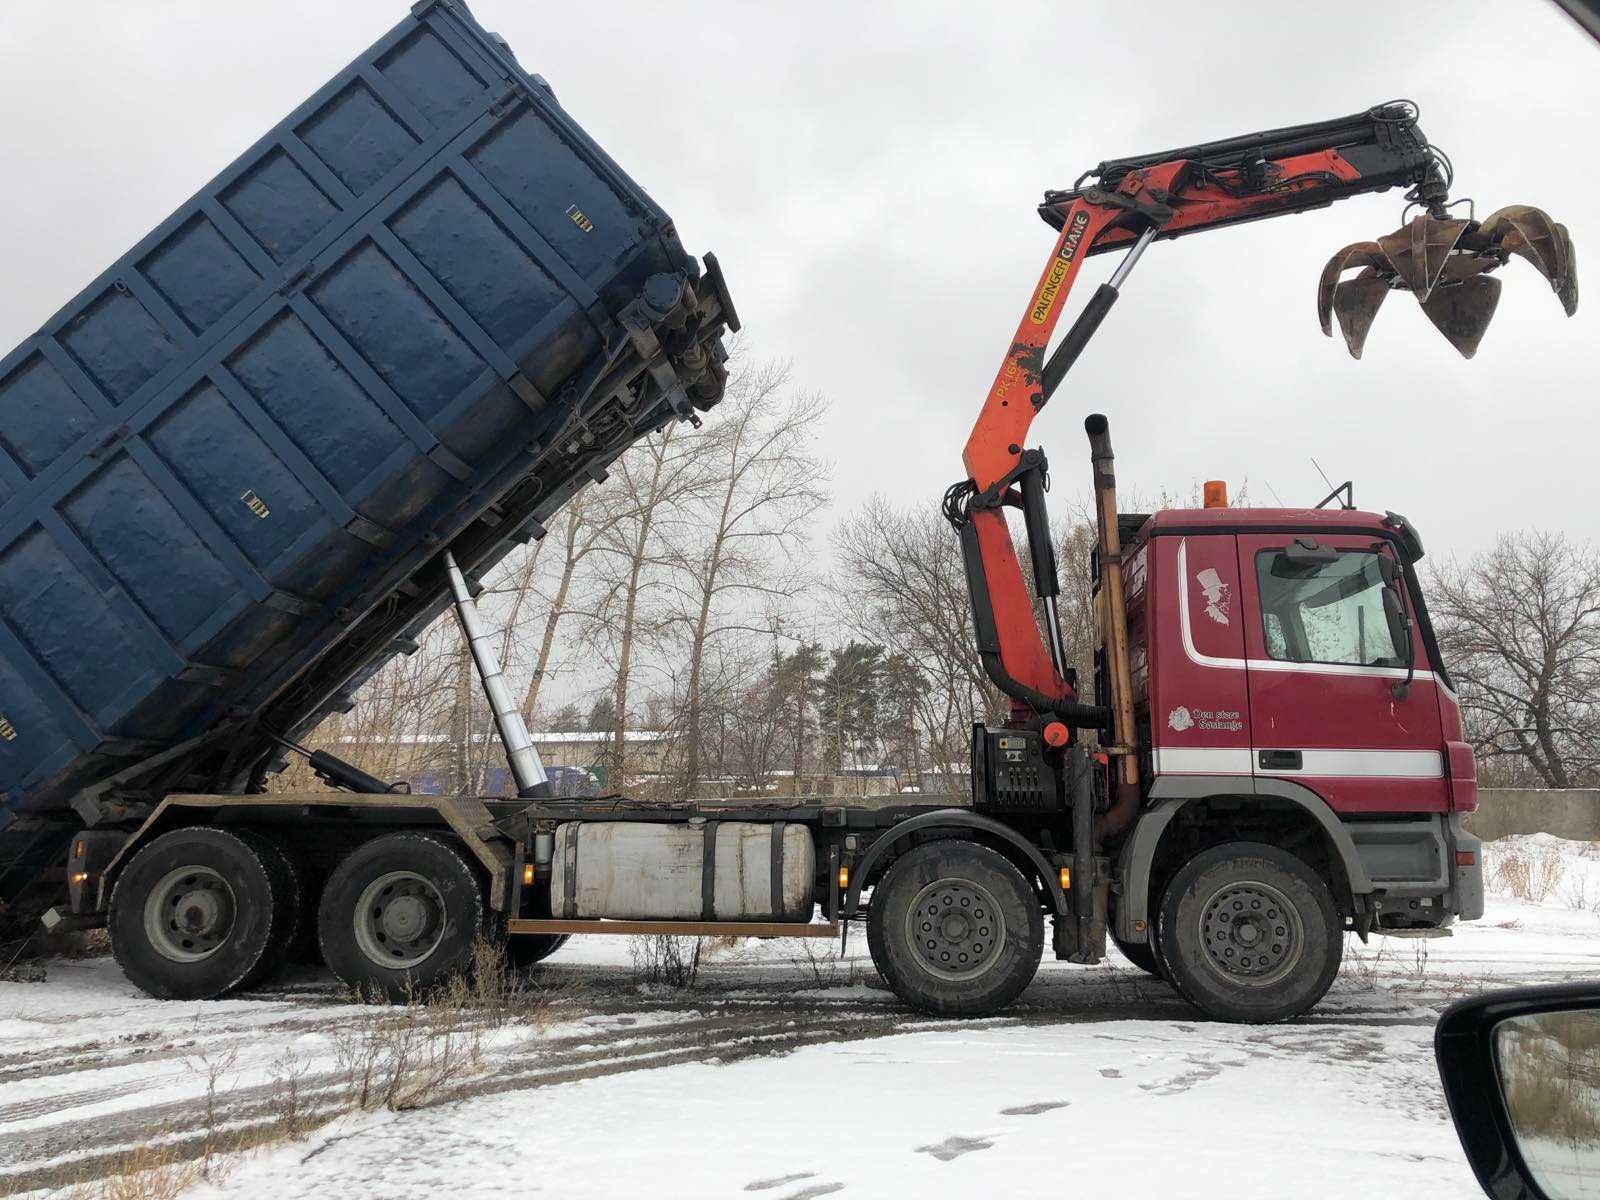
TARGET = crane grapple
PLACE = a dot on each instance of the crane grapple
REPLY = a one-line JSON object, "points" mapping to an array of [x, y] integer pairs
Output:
{"points": [[1445, 263]]}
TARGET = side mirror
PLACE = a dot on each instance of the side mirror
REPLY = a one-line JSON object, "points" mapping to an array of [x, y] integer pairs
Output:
{"points": [[1521, 1071], [1400, 634], [1399, 622]]}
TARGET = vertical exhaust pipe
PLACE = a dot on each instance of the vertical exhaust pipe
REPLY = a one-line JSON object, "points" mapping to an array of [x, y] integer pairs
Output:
{"points": [[523, 759], [1113, 614]]}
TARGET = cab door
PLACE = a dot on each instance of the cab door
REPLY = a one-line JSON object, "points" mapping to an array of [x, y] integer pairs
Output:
{"points": [[1327, 658]]}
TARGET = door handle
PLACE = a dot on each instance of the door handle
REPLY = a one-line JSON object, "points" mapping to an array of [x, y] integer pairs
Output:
{"points": [[1279, 760]]}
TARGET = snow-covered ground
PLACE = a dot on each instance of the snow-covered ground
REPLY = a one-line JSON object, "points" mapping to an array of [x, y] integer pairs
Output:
{"points": [[778, 1077]]}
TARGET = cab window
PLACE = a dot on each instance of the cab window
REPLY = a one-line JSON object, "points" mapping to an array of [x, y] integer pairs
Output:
{"points": [[1325, 612]]}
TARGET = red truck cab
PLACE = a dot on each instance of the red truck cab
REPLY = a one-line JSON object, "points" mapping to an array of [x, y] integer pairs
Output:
{"points": [[1286, 677]]}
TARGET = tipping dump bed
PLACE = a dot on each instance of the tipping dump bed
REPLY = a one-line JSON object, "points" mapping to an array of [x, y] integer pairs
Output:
{"points": [[419, 313]]}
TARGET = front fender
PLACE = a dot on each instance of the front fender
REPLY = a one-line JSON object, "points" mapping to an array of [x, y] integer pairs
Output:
{"points": [[953, 819], [1170, 794]]}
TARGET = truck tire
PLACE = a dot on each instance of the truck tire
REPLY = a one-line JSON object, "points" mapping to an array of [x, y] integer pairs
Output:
{"points": [[400, 914], [1140, 954], [1249, 933], [196, 913], [955, 929], [526, 949], [294, 910]]}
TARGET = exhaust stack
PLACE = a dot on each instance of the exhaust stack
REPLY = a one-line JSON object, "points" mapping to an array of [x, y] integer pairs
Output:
{"points": [[1113, 615]]}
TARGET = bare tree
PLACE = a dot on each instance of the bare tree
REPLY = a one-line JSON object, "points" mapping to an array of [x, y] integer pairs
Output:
{"points": [[1080, 630], [516, 576], [584, 526], [755, 741], [740, 552], [908, 592], [1519, 627], [396, 727], [652, 487]]}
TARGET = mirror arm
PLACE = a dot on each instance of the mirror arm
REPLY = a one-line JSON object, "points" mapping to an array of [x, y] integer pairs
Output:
{"points": [[1394, 580], [1402, 689]]}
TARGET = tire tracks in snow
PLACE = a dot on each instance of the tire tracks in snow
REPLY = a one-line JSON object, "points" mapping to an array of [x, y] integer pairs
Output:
{"points": [[75, 1149], [699, 1029]]}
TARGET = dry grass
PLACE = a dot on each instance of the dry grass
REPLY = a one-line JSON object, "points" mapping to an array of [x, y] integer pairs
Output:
{"points": [[820, 957], [166, 1166], [400, 1056], [1579, 893], [662, 960], [1386, 958], [1362, 964], [147, 1172], [1529, 873], [417, 1052]]}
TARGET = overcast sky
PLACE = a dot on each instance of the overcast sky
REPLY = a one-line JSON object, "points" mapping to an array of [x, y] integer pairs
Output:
{"points": [[867, 174]]}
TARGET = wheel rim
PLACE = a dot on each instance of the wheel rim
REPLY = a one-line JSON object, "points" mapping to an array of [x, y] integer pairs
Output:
{"points": [[189, 914], [956, 928], [1251, 933], [399, 919]]}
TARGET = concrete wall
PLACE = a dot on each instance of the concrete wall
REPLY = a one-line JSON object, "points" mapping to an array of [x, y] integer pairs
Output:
{"points": [[1567, 812]]}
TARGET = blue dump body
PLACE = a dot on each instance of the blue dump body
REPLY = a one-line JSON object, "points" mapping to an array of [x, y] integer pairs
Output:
{"points": [[420, 313]]}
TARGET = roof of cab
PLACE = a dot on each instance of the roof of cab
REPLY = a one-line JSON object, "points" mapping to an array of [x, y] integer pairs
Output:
{"points": [[1261, 518]]}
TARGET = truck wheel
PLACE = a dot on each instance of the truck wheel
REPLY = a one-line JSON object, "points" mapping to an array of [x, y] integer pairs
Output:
{"points": [[526, 949], [1140, 954], [1158, 955], [400, 914], [955, 929], [294, 913], [197, 913], [1249, 933]]}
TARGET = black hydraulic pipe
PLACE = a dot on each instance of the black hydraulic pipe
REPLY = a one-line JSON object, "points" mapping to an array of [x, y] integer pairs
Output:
{"points": [[1361, 129], [1036, 519], [1077, 338], [345, 775]]}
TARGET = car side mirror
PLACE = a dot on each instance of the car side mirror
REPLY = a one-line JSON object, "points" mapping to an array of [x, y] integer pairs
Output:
{"points": [[1521, 1072]]}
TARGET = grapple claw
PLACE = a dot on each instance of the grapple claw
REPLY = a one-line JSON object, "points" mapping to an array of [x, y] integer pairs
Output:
{"points": [[1356, 302], [1445, 264], [1417, 251], [1529, 233], [1567, 288], [1461, 311], [1357, 254]]}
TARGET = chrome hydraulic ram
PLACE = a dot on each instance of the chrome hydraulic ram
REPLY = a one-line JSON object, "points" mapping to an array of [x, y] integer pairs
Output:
{"points": [[523, 759], [1089, 319]]}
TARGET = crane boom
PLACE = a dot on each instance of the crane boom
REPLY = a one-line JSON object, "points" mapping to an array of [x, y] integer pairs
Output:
{"points": [[1127, 204]]}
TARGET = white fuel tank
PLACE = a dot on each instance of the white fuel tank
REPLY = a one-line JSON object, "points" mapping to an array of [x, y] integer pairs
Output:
{"points": [[641, 871]]}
